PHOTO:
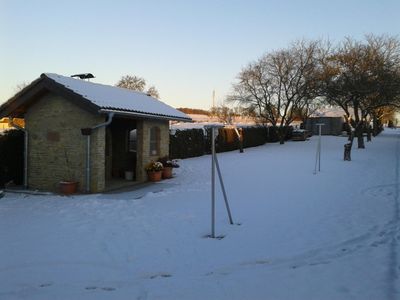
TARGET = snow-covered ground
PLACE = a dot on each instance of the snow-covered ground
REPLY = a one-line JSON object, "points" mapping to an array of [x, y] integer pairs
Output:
{"points": [[333, 235]]}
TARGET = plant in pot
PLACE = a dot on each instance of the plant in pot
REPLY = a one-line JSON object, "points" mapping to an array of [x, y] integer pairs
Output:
{"points": [[68, 186], [154, 170], [168, 165]]}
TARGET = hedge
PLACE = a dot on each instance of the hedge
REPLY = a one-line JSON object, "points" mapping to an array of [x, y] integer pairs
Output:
{"points": [[254, 136], [273, 133], [186, 143], [197, 142]]}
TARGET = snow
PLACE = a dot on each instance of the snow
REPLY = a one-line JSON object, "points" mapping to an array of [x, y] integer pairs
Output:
{"points": [[333, 235], [111, 97]]}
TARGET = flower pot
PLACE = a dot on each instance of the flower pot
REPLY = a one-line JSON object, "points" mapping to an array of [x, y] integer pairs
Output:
{"points": [[68, 187], [154, 175], [167, 172], [129, 175]]}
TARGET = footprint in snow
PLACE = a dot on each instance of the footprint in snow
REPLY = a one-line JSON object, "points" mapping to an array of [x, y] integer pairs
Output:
{"points": [[162, 275], [319, 263], [108, 289], [45, 284]]}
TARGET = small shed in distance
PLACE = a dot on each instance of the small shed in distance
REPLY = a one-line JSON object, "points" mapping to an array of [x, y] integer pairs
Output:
{"points": [[332, 125]]}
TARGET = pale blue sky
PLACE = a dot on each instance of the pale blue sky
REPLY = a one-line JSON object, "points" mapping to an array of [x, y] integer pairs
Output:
{"points": [[185, 48]]}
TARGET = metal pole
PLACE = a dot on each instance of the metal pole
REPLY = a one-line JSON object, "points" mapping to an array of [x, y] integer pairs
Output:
{"points": [[319, 150], [318, 154], [316, 161], [223, 190], [213, 182]]}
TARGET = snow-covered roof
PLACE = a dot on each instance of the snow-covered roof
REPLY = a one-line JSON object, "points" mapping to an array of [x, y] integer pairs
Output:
{"points": [[118, 99], [329, 112]]}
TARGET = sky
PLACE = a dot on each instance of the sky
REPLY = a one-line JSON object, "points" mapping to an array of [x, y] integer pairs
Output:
{"points": [[186, 49]]}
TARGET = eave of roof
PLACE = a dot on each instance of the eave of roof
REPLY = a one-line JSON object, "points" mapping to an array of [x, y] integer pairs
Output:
{"points": [[138, 114], [18, 104]]}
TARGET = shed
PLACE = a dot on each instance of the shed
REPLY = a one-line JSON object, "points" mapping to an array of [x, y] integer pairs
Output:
{"points": [[88, 132], [332, 125]]}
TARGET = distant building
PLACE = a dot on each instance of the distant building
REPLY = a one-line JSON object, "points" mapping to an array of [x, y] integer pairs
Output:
{"points": [[332, 125]]}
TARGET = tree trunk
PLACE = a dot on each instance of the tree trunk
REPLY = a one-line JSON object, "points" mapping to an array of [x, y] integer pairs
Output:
{"points": [[369, 133], [360, 137], [375, 126], [281, 132], [347, 152], [351, 135]]}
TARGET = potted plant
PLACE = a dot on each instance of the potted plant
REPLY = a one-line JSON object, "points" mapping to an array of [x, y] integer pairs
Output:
{"points": [[168, 165], [154, 170], [68, 186]]}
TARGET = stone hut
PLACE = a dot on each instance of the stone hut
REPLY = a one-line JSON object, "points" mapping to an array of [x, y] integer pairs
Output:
{"points": [[76, 130], [332, 125]]}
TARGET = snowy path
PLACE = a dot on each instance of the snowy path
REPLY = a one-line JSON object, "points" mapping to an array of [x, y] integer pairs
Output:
{"points": [[394, 265], [334, 235]]}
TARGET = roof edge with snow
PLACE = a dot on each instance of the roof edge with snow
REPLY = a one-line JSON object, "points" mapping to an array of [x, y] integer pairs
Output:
{"points": [[93, 97]]}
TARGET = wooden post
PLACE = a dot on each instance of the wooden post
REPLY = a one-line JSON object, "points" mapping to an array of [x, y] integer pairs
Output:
{"points": [[347, 152]]}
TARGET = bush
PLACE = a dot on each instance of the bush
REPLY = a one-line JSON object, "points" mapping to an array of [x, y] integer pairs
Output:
{"points": [[226, 140], [11, 157], [273, 133], [197, 142], [254, 136], [186, 143]]}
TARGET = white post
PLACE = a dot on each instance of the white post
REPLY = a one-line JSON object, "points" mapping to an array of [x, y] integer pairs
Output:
{"points": [[212, 182]]}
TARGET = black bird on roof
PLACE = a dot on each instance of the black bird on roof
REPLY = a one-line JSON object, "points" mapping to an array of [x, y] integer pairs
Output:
{"points": [[84, 75]]}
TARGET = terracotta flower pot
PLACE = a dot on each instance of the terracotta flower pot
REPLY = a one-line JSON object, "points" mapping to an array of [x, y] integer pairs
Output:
{"points": [[68, 187], [154, 175], [167, 172]]}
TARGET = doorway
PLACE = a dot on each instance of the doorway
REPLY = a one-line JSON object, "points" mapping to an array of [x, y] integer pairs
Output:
{"points": [[121, 152]]}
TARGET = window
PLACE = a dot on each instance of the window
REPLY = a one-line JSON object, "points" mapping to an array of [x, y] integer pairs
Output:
{"points": [[132, 140], [154, 140]]}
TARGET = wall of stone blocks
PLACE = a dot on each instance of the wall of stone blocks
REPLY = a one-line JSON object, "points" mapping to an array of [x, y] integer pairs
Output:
{"points": [[143, 141], [57, 149]]}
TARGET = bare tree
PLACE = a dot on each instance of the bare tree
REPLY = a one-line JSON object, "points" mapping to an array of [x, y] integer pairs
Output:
{"points": [[304, 112], [137, 84], [279, 84], [224, 113], [361, 77], [152, 91], [132, 82], [21, 86]]}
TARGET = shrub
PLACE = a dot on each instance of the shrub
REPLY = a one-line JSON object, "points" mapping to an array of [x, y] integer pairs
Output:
{"points": [[254, 136], [186, 143], [197, 142], [273, 133], [226, 140]]}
